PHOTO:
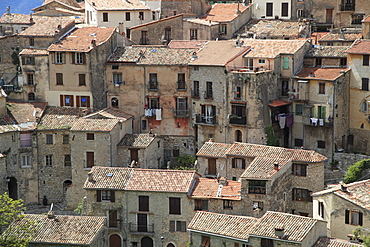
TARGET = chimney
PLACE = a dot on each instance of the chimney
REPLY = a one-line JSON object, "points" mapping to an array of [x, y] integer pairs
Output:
{"points": [[31, 18], [93, 42], [343, 187], [51, 215], [276, 167], [342, 34], [8, 10], [3, 110], [90, 177], [121, 27]]}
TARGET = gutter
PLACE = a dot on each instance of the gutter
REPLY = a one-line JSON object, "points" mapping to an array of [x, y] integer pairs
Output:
{"points": [[217, 235]]}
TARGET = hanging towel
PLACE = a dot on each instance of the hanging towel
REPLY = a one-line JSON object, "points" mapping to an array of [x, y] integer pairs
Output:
{"points": [[158, 114], [289, 120], [321, 122], [314, 121], [282, 122]]}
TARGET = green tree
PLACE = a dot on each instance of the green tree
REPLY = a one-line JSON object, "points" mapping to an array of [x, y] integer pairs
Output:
{"points": [[185, 162], [354, 172], [271, 139], [10, 211], [363, 235]]}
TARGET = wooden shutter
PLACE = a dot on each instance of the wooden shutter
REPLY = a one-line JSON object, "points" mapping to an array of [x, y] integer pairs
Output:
{"points": [[98, 195], [360, 217], [285, 62], [23, 60], [53, 57], [243, 163], [233, 163], [61, 98], [64, 57], [183, 226], [172, 225], [112, 196], [346, 216], [73, 58], [203, 110], [83, 58], [87, 101], [71, 100], [78, 101], [112, 218]]}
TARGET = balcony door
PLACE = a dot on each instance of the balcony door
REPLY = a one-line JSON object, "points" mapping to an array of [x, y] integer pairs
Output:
{"points": [[142, 223], [212, 170]]}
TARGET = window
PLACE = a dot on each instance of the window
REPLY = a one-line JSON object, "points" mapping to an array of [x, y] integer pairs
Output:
{"points": [[269, 7], [80, 58], [298, 142], [32, 41], [90, 136], [257, 187], [195, 92], [321, 87], [178, 226], [353, 217], [320, 144], [141, 16], [320, 209], [181, 107], [321, 112], [26, 139], [257, 205], [208, 114], [238, 163], [128, 16], [298, 109], [176, 152], [153, 15], [238, 136], [357, 18], [128, 33], [181, 81], [144, 203], [28, 60], [285, 62], [114, 102], [83, 101], [105, 17], [174, 205], [193, 34], [318, 62], [365, 84], [59, 58], [113, 218], [144, 38], [30, 79], [200, 204], [223, 29], [364, 106], [238, 93], [81, 79], [31, 96], [167, 34], [262, 61], [49, 160], [117, 78], [153, 81], [26, 161], [228, 204], [300, 12], [59, 78], [66, 100], [153, 103], [299, 169], [365, 60], [284, 9], [49, 139], [67, 160], [105, 196], [143, 124], [267, 242], [302, 195], [209, 90], [206, 241], [89, 159], [343, 61]]}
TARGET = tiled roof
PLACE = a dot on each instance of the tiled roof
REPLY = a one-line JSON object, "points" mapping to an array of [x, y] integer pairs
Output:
{"points": [[203, 22], [218, 53], [70, 3], [15, 18], [327, 51], [34, 52], [223, 12], [26, 114], [157, 21], [63, 229], [115, 178], [47, 26], [147, 55], [350, 37], [357, 192], [330, 74], [117, 5], [264, 167], [214, 149], [295, 227], [136, 140], [80, 39], [157, 180], [222, 224], [334, 242], [360, 47], [366, 19], [187, 44], [56, 117], [277, 28], [211, 188], [110, 113]]}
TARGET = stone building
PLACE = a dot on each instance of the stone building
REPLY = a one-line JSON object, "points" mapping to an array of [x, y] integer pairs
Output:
{"points": [[11, 23], [61, 8], [321, 109], [326, 56], [276, 9], [272, 178], [144, 207], [64, 230], [344, 207], [272, 229], [169, 8]]}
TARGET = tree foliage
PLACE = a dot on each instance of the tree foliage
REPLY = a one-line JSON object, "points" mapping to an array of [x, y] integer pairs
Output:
{"points": [[354, 172], [185, 162], [362, 236], [271, 139]]}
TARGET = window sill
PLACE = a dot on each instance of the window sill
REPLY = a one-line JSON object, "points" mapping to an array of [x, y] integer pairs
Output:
{"points": [[87, 168], [26, 166]]}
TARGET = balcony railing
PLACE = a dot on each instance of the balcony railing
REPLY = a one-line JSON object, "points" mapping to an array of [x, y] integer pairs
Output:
{"points": [[181, 85], [257, 189], [205, 119], [237, 120], [347, 7], [180, 113], [195, 93], [135, 228], [320, 122]]}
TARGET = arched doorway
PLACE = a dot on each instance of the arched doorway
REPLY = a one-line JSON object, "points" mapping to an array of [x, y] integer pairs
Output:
{"points": [[114, 102], [13, 188], [238, 136], [66, 185], [114, 241], [146, 242], [170, 245]]}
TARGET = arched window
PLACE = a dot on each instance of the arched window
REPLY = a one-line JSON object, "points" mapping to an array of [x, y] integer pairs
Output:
{"points": [[170, 245], [147, 242], [364, 106], [114, 102], [31, 96], [114, 241], [67, 184], [238, 136]]}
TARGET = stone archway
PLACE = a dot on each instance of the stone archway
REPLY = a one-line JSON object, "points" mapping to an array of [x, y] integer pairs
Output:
{"points": [[13, 188], [114, 241], [146, 242]]}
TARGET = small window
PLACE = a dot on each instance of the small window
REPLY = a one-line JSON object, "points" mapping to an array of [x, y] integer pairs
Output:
{"points": [[175, 152], [90, 136], [285, 62], [49, 160], [320, 144], [128, 16], [298, 142], [141, 16], [238, 163], [353, 217], [30, 79], [193, 34], [143, 124], [49, 139], [257, 187], [365, 84], [115, 67], [59, 58], [302, 195], [209, 90], [90, 162], [321, 209], [343, 61], [153, 81], [364, 106], [321, 87], [67, 160], [105, 195], [206, 241], [257, 205], [228, 204], [200, 204], [153, 15], [195, 91], [83, 101], [117, 78], [284, 9], [365, 60], [181, 226], [105, 17], [81, 79], [174, 205], [79, 58], [298, 109], [181, 85], [113, 219], [144, 203], [357, 18], [261, 61], [299, 169], [26, 161], [31, 96], [300, 12], [59, 79], [114, 102], [269, 9], [32, 42], [223, 29]]}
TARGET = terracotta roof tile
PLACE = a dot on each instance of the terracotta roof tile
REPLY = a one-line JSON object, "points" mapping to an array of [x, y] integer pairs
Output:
{"points": [[47, 26], [366, 19], [277, 28], [360, 47], [211, 188], [327, 51], [34, 52], [350, 37], [264, 167], [330, 74], [136, 140], [117, 5], [15, 18], [80, 39], [203, 22], [71, 3], [334, 242], [187, 44], [222, 12], [222, 224], [26, 114], [214, 149], [295, 227], [64, 229], [115, 178]]}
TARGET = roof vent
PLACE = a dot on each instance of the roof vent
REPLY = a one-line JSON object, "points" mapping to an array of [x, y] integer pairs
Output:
{"points": [[276, 167], [279, 231], [312, 74], [343, 187]]}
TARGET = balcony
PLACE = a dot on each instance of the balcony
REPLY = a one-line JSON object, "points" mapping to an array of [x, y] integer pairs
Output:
{"points": [[141, 229], [195, 93], [347, 7], [209, 120], [257, 190], [10, 88], [238, 120], [180, 113], [317, 122]]}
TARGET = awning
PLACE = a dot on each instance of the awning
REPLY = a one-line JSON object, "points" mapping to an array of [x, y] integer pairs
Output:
{"points": [[277, 103]]}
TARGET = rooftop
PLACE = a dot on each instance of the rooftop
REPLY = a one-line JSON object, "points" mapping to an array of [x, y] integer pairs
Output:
{"points": [[225, 12], [314, 73], [334, 242], [81, 39], [47, 26], [264, 167], [212, 188], [117, 5], [136, 140], [327, 51], [277, 28], [234, 226], [187, 44], [348, 37], [34, 52], [360, 47], [69, 3], [16, 18]]}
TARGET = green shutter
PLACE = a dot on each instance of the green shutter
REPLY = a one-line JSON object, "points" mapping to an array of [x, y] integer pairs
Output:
{"points": [[285, 62], [323, 112]]}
